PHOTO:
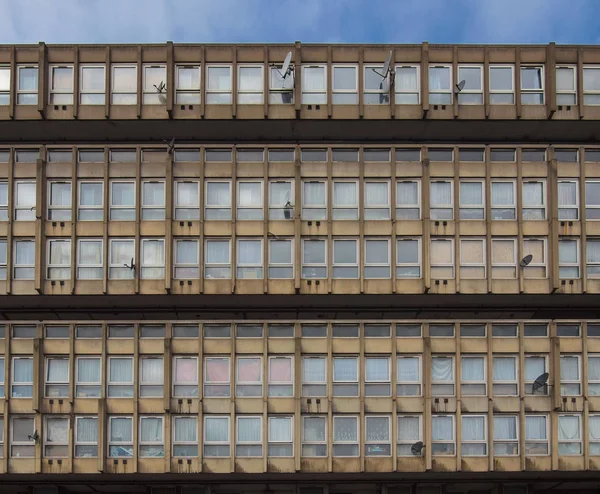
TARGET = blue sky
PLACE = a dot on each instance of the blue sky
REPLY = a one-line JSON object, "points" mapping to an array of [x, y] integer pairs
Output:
{"points": [[310, 21]]}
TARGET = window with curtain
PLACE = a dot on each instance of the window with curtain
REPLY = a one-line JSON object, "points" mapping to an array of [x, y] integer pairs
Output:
{"points": [[151, 441], [345, 258], [249, 200], [377, 376], [21, 429], [2, 378], [592, 258], [153, 259], [90, 205], [591, 85], [568, 200], [593, 373], [376, 200], [592, 200], [86, 437], [250, 85], [216, 377], [570, 375], [249, 258], [532, 85], [314, 85], [407, 85], [472, 258], [59, 201], [534, 200], [441, 200], [281, 376], [120, 377], [472, 91], [218, 201], [314, 436], [22, 377], [474, 437], [473, 375], [151, 377], [281, 199], [57, 377], [217, 261], [121, 263], [345, 376], [27, 85], [442, 376], [344, 85], [408, 258], [409, 432], [536, 435], [124, 84], [4, 198], [187, 199], [594, 434], [281, 258], [503, 200], [568, 258], [408, 200], [185, 377], [218, 85], [122, 201], [504, 258], [153, 200], [440, 85], [24, 201], [248, 377], [61, 85], [442, 435], [187, 259], [376, 89], [378, 435], [56, 437], [3, 259], [216, 436], [506, 429], [59, 259], [314, 258], [408, 375], [441, 252], [471, 201], [280, 430], [92, 80], [88, 377], [314, 376], [185, 436], [314, 200], [345, 200], [90, 263], [538, 248], [248, 437], [345, 436], [569, 435], [566, 85], [377, 258], [504, 376], [535, 366], [120, 437]]}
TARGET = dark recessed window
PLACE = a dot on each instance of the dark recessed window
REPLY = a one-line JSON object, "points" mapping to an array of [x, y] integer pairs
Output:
{"points": [[441, 330], [25, 331], [153, 155], [533, 155], [152, 331], [593, 330], [440, 154], [314, 330], [2, 332], [505, 330], [408, 155], [535, 330], [91, 156], [310, 154], [281, 330], [187, 155], [4, 155], [468, 154], [345, 330], [185, 331], [124, 331], [26, 155], [60, 156], [472, 330], [344, 155], [568, 330], [88, 332], [591, 155], [122, 156], [220, 155], [249, 331], [568, 155], [217, 331], [503, 154], [408, 330], [281, 155], [381, 155], [61, 332], [252, 155], [377, 330]]}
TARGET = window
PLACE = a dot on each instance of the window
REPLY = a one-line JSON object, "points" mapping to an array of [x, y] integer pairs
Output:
{"points": [[344, 86], [250, 85], [88, 332], [217, 258], [505, 376], [124, 85], [3, 259], [216, 436], [59, 156], [503, 202], [377, 376], [345, 200], [185, 377], [535, 366], [314, 258], [88, 377], [86, 437], [152, 442], [535, 330], [26, 155], [249, 331], [281, 199], [314, 155], [249, 437], [3, 200], [502, 85], [24, 331], [186, 259], [24, 259], [250, 200], [91, 84], [345, 258], [378, 435], [569, 435], [122, 259], [218, 155], [281, 443], [2, 379], [345, 330], [59, 201], [566, 85], [27, 85], [153, 200], [376, 89], [568, 200], [442, 258], [408, 258], [442, 435], [185, 436], [57, 377], [473, 375], [442, 376], [345, 436], [153, 259], [120, 437], [22, 444], [314, 376], [377, 200], [536, 435], [122, 201], [503, 155], [187, 200], [504, 258], [440, 85], [568, 258], [59, 259], [570, 375], [187, 84], [314, 84], [281, 88], [532, 85], [506, 435], [591, 85], [91, 201], [537, 247], [120, 377], [22, 377], [56, 437], [218, 201], [314, 200], [89, 259], [345, 376], [534, 200], [281, 330], [91, 155], [218, 85], [592, 200], [409, 375], [441, 200], [217, 330], [216, 377], [249, 377], [61, 84], [594, 434], [314, 330], [505, 330], [409, 432], [314, 436], [472, 258], [151, 377], [281, 376], [593, 377], [155, 85], [441, 330], [407, 85], [571, 330], [471, 201], [377, 259], [411, 155], [472, 92], [152, 331], [281, 260], [408, 200], [25, 201], [474, 435]]}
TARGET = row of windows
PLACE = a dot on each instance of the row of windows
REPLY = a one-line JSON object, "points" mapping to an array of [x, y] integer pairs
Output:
{"points": [[349, 258], [306, 154], [346, 376], [346, 438], [216, 82], [343, 196]]}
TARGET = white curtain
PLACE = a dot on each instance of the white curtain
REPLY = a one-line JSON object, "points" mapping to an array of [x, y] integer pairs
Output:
{"points": [[121, 429], [535, 427], [60, 254], [472, 369], [249, 430], [123, 194], [88, 370], [377, 369], [121, 370], [280, 429], [217, 429], [124, 79], [533, 194], [60, 194], [534, 367], [567, 193], [90, 252], [219, 78], [249, 370], [505, 428], [281, 193], [441, 194], [471, 193], [218, 194], [345, 429], [58, 370], [313, 370], [594, 368], [187, 194], [186, 370], [345, 194], [441, 369], [250, 79], [406, 79], [249, 252], [314, 194], [503, 194], [186, 252], [314, 252], [121, 252], [57, 430], [217, 252], [249, 194], [376, 193], [314, 429], [407, 193], [90, 194], [25, 194], [408, 369], [441, 429], [568, 428], [151, 430], [154, 193], [23, 370], [313, 79], [153, 253], [25, 252], [504, 369], [152, 370], [473, 428], [569, 368], [531, 78], [378, 429], [593, 250], [408, 428], [345, 369], [186, 429], [87, 430], [439, 78]]}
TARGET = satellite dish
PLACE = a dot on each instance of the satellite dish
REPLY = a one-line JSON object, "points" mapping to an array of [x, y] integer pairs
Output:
{"points": [[526, 260], [387, 64], [460, 86], [540, 382], [161, 87], [416, 448], [286, 68], [170, 145]]}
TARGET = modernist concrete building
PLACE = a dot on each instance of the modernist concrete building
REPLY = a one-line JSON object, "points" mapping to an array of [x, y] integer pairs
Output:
{"points": [[218, 275]]}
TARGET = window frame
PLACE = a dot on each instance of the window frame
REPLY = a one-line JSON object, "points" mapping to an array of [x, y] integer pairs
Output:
{"points": [[543, 206], [441, 92], [323, 264], [209, 265], [386, 264], [223, 206], [177, 207], [52, 266], [439, 205], [14, 383], [512, 206], [192, 92], [58, 383], [526, 91], [274, 265], [271, 380], [416, 205], [241, 208], [83, 92], [29, 442], [26, 92], [144, 267], [376, 443], [147, 93], [112, 265], [147, 208], [238, 442], [445, 441], [131, 207], [437, 264], [207, 384], [322, 383], [97, 384], [344, 92], [77, 442], [205, 442], [190, 442], [464, 382], [64, 443], [573, 92], [243, 92], [335, 442], [483, 441], [408, 442], [503, 382], [178, 265], [271, 441], [343, 266], [52, 208], [313, 92], [573, 264], [129, 91], [112, 442], [175, 382], [482, 264], [323, 442], [407, 92], [418, 382], [159, 443], [150, 384], [546, 441], [452, 381], [313, 207], [418, 264], [502, 91], [578, 382], [465, 90], [383, 91], [52, 92], [578, 440], [590, 92], [89, 207], [534, 264], [475, 207], [574, 206], [507, 441], [210, 91], [28, 210]]}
